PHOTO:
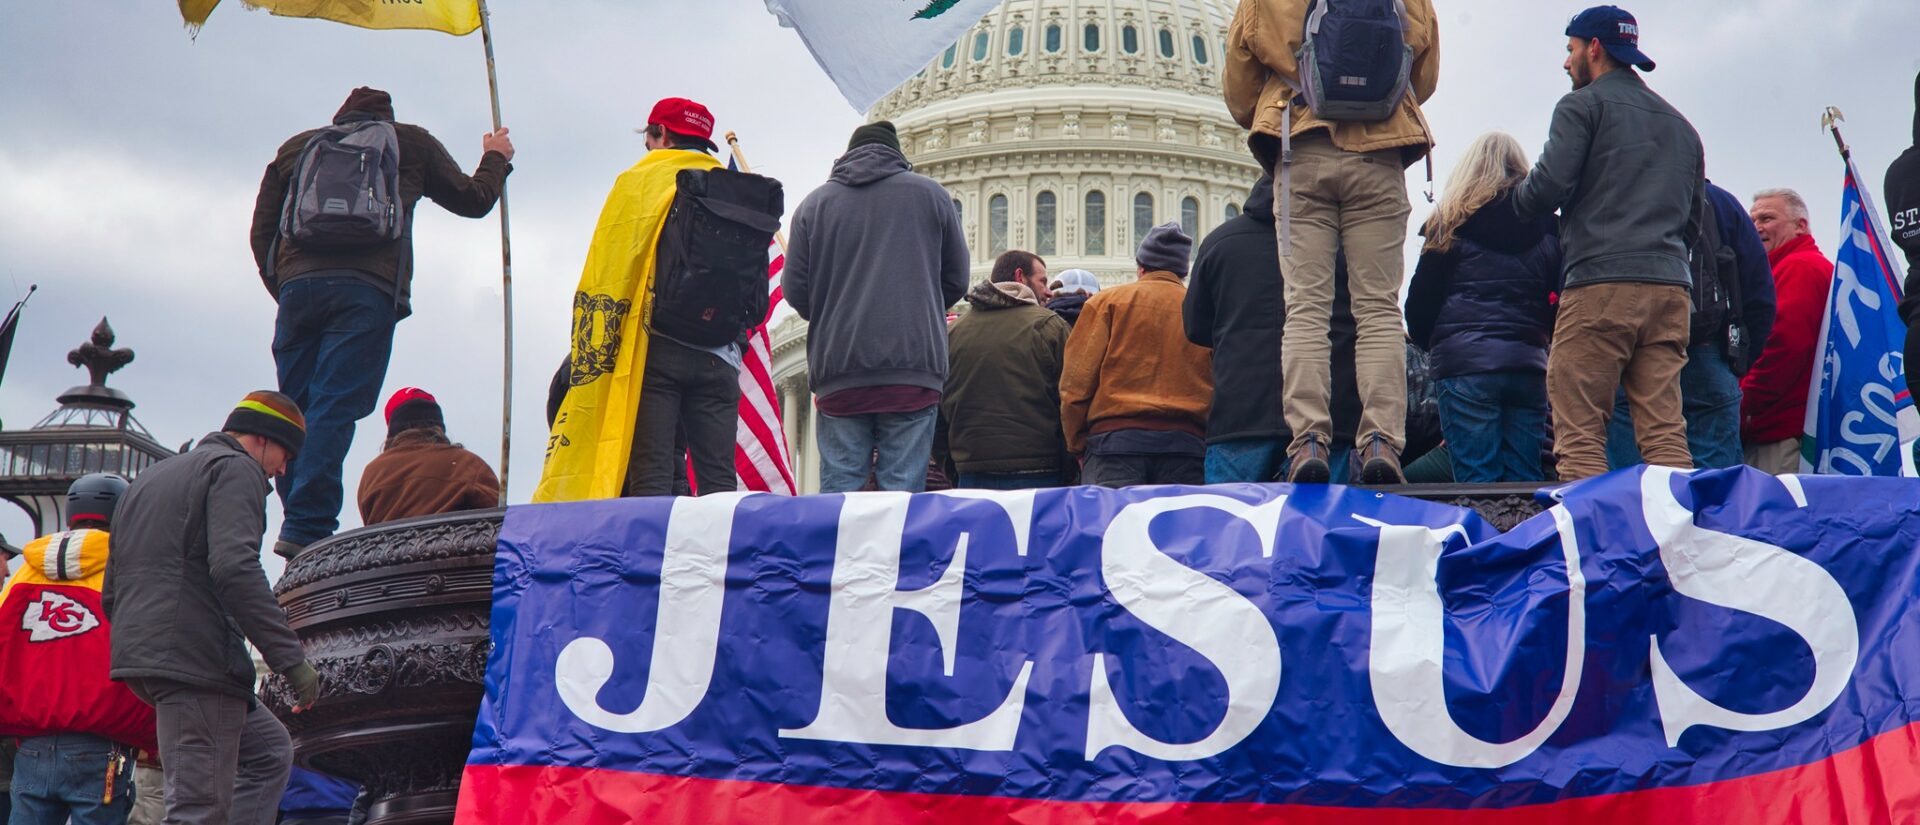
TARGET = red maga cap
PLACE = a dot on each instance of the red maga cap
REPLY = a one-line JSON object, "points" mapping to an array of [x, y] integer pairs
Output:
{"points": [[682, 117], [402, 396]]}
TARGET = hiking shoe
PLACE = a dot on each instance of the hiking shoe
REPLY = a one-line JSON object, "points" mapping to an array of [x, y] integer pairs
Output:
{"points": [[287, 549], [1309, 462], [1380, 463]]}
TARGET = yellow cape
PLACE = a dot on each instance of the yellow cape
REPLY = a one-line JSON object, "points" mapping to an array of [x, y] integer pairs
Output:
{"points": [[612, 310]]}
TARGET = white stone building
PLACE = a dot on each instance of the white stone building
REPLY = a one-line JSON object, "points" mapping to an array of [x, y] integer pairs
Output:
{"points": [[1068, 128]]}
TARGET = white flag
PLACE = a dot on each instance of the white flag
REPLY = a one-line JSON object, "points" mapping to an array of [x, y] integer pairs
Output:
{"points": [[870, 47]]}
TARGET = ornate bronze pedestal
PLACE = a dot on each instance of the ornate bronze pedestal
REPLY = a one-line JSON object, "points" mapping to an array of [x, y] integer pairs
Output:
{"points": [[395, 619]]}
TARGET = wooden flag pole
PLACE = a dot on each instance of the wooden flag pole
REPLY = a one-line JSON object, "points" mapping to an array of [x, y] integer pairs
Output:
{"points": [[506, 270], [740, 159]]}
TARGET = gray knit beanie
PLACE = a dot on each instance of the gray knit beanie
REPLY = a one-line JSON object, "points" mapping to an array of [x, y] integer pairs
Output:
{"points": [[1165, 248]]}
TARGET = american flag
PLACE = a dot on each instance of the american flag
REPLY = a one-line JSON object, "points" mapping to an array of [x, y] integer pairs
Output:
{"points": [[760, 456]]}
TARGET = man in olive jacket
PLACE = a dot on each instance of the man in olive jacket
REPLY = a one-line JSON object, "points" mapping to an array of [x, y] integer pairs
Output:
{"points": [[1000, 411], [185, 593]]}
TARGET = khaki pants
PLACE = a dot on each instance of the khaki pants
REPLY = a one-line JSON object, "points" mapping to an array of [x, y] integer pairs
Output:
{"points": [[1357, 204], [1777, 458], [1612, 336]]}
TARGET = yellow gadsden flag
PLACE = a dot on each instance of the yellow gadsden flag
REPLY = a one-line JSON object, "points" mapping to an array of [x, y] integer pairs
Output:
{"points": [[450, 16], [593, 434]]}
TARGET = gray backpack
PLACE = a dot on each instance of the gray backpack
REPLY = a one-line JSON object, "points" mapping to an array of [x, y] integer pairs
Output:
{"points": [[345, 190]]}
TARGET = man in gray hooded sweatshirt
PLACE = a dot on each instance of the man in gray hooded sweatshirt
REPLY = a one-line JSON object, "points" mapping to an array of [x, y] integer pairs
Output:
{"points": [[877, 256]]}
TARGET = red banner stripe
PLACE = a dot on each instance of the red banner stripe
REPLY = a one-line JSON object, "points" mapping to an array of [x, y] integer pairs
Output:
{"points": [[1874, 784]]}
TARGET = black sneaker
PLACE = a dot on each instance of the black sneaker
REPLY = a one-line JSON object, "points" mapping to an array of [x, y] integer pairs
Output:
{"points": [[1380, 463], [1309, 463]]}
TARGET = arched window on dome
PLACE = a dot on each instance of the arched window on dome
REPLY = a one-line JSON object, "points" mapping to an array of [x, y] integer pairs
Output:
{"points": [[1166, 42], [1046, 223], [1096, 223], [996, 225], [1055, 40], [1190, 217], [1016, 41], [1142, 217], [1233, 211], [1200, 50], [979, 47], [946, 60], [960, 212], [1091, 39], [1129, 39]]}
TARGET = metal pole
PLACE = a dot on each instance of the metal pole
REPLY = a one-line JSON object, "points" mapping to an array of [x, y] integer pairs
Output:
{"points": [[506, 271], [740, 159]]}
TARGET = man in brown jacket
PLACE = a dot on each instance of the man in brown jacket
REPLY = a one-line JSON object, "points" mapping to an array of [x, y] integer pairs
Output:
{"points": [[1134, 393], [339, 302], [1342, 186], [1000, 410], [420, 472]]}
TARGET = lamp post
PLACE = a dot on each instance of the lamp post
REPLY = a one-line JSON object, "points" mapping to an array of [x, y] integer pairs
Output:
{"points": [[92, 431]]}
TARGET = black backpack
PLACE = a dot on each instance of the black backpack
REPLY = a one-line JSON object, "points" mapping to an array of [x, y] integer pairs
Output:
{"points": [[710, 282], [1354, 59], [1716, 293], [345, 190]]}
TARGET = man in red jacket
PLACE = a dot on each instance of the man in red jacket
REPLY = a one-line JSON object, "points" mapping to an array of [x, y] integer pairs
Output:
{"points": [[78, 728], [1773, 403]]}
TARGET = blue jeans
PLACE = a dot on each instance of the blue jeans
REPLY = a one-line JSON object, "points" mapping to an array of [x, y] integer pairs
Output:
{"points": [[904, 442], [1710, 402], [65, 775], [1007, 481], [331, 342], [1259, 460], [1246, 460], [1494, 423]]}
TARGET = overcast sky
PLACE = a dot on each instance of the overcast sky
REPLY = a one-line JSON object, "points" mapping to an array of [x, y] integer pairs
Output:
{"points": [[130, 155]]}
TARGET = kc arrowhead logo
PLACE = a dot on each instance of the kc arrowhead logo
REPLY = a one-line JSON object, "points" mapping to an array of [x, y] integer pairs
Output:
{"points": [[56, 617]]}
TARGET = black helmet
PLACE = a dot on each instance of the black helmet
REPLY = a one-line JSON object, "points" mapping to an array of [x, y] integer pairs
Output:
{"points": [[93, 497]]}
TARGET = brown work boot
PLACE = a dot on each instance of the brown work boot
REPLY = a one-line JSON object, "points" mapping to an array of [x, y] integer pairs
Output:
{"points": [[1308, 463], [1380, 463]]}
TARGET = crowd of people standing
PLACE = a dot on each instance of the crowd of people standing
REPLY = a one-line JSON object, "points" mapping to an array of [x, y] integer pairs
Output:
{"points": [[1600, 306]]}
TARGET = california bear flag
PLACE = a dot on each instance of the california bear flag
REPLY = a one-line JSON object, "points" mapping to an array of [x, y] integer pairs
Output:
{"points": [[869, 47]]}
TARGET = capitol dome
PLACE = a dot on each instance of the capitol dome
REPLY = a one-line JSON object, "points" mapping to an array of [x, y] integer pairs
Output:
{"points": [[1067, 128], [1070, 127]]}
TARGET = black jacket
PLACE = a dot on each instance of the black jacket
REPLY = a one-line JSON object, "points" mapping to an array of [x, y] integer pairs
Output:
{"points": [[1234, 306], [1903, 203], [1068, 306], [184, 588], [1485, 304]]}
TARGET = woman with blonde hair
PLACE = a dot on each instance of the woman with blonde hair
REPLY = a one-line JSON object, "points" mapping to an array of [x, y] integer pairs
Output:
{"points": [[1481, 304]]}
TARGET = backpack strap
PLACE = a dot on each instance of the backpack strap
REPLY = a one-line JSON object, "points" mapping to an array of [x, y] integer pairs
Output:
{"points": [[1286, 181]]}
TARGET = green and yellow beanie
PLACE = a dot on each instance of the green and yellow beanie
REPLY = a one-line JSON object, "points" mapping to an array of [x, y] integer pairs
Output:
{"points": [[271, 415]]}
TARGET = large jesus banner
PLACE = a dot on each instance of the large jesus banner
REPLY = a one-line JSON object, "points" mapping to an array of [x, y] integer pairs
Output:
{"points": [[1721, 647]]}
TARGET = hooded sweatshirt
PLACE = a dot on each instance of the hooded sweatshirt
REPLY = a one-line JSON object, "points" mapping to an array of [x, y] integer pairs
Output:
{"points": [[1903, 203], [877, 256], [425, 169]]}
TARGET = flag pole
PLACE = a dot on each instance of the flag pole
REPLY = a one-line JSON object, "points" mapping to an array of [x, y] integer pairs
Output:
{"points": [[506, 270], [740, 158]]}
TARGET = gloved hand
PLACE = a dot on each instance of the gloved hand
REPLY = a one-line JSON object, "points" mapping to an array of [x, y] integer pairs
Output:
{"points": [[305, 682]]}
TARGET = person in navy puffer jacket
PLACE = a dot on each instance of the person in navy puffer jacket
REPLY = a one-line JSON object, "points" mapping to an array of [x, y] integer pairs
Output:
{"points": [[1481, 304]]}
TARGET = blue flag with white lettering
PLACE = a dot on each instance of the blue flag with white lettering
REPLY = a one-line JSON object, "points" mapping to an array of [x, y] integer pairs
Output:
{"points": [[1859, 410]]}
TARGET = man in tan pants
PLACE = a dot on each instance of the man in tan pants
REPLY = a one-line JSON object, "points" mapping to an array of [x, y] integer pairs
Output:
{"points": [[1347, 192], [1627, 173]]}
